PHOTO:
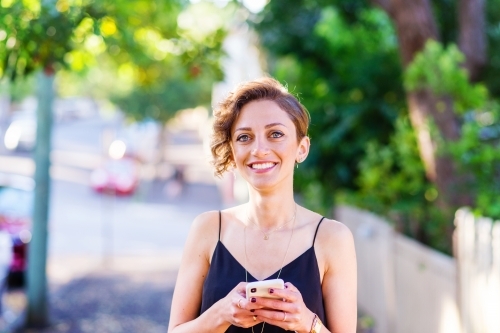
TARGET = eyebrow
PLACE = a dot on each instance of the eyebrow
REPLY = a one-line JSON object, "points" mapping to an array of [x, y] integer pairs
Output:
{"points": [[267, 126]]}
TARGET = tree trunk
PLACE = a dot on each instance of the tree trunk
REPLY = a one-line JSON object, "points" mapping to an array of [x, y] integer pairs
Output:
{"points": [[415, 24], [441, 170], [37, 314], [472, 37]]}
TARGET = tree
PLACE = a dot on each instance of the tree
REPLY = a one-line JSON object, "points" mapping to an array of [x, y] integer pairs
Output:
{"points": [[48, 35], [415, 25], [367, 49], [343, 64], [170, 71], [36, 36]]}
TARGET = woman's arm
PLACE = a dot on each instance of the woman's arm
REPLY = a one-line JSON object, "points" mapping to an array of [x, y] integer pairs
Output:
{"points": [[194, 267], [186, 302], [335, 245]]}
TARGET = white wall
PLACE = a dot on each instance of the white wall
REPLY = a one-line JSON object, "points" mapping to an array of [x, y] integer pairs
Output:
{"points": [[405, 286]]}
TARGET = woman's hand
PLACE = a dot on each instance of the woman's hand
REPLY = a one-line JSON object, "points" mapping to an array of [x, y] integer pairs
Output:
{"points": [[240, 311], [289, 312]]}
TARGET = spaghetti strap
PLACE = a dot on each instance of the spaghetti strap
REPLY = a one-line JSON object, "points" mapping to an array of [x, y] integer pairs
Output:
{"points": [[220, 222], [316, 229]]}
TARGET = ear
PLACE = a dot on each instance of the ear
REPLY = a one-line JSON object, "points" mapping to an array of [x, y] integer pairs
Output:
{"points": [[303, 149]]}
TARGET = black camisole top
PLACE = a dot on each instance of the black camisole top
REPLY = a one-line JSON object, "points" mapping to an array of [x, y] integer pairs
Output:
{"points": [[226, 272]]}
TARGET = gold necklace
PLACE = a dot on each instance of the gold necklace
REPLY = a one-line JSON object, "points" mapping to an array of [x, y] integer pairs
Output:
{"points": [[266, 235], [282, 263]]}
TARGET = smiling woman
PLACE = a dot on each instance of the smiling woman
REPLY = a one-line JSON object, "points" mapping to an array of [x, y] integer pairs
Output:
{"points": [[225, 116], [260, 129]]}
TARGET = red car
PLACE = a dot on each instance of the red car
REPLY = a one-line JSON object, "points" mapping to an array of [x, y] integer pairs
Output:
{"points": [[16, 209], [119, 176]]}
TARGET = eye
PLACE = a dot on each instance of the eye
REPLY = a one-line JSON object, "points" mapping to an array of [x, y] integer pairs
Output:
{"points": [[276, 135], [243, 138]]}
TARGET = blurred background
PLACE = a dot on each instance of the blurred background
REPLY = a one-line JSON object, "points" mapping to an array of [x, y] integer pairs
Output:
{"points": [[105, 114]]}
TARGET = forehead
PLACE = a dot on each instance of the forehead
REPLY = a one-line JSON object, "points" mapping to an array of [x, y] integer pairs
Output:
{"points": [[262, 112]]}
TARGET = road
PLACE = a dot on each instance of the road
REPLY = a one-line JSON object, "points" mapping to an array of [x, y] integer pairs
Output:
{"points": [[112, 261], [83, 222]]}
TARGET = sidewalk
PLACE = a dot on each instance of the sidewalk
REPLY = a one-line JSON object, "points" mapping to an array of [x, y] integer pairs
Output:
{"points": [[123, 298]]}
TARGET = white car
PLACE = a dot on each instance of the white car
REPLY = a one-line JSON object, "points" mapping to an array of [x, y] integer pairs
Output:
{"points": [[21, 133]]}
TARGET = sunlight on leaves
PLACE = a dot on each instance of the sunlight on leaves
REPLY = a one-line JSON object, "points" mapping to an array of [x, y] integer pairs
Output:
{"points": [[108, 26], [6, 3], [62, 6], [95, 44], [32, 5]]}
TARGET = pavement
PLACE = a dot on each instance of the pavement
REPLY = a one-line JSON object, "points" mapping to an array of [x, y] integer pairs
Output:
{"points": [[111, 301]]}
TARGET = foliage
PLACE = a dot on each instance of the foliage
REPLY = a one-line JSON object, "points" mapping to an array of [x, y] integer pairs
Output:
{"points": [[146, 46], [491, 72], [342, 61], [405, 195], [438, 68], [160, 101], [38, 34], [341, 57], [477, 152], [392, 183], [177, 63]]}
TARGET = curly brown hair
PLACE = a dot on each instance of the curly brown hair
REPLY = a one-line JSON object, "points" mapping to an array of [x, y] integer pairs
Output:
{"points": [[230, 108]]}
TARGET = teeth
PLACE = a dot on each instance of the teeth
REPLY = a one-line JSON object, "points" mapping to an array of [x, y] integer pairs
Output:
{"points": [[262, 165]]}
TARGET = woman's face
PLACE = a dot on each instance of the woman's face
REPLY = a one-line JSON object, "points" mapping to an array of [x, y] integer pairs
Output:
{"points": [[264, 144]]}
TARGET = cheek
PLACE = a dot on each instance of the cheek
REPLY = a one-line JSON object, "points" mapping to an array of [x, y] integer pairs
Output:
{"points": [[237, 156], [290, 151]]}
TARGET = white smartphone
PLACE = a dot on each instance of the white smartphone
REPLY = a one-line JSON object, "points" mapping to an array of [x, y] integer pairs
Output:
{"points": [[261, 288]]}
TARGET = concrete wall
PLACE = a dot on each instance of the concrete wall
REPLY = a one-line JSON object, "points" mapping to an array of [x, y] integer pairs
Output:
{"points": [[477, 248], [405, 286]]}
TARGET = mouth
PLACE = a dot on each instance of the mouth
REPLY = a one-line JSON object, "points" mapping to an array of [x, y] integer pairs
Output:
{"points": [[262, 166]]}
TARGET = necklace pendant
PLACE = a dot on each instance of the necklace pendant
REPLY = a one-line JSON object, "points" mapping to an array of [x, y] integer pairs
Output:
{"points": [[266, 237]]}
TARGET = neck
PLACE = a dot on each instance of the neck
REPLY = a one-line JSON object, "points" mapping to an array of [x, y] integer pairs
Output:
{"points": [[270, 210]]}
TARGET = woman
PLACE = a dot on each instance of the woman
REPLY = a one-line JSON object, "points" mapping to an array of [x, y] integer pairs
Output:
{"points": [[261, 131]]}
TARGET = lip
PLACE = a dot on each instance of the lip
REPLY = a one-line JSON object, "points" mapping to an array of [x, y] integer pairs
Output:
{"points": [[249, 165]]}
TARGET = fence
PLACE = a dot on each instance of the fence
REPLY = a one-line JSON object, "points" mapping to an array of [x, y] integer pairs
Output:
{"points": [[477, 249], [405, 286]]}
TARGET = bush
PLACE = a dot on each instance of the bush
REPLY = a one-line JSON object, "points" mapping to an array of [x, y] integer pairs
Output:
{"points": [[392, 183]]}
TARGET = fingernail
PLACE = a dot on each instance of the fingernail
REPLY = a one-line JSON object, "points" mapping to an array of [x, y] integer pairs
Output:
{"points": [[253, 300], [252, 310], [271, 290]]}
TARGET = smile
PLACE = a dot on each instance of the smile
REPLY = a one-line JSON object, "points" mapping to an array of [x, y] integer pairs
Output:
{"points": [[262, 166]]}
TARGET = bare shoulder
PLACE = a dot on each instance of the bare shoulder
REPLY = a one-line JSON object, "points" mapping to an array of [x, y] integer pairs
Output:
{"points": [[332, 231], [206, 222], [334, 242], [204, 232]]}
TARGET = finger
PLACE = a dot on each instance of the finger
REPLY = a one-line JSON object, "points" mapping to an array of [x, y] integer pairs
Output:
{"points": [[274, 304], [240, 302], [241, 287], [247, 304], [290, 286], [277, 318], [286, 325], [288, 295]]}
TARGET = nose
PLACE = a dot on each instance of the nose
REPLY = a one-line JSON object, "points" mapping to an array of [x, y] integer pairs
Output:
{"points": [[260, 148]]}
